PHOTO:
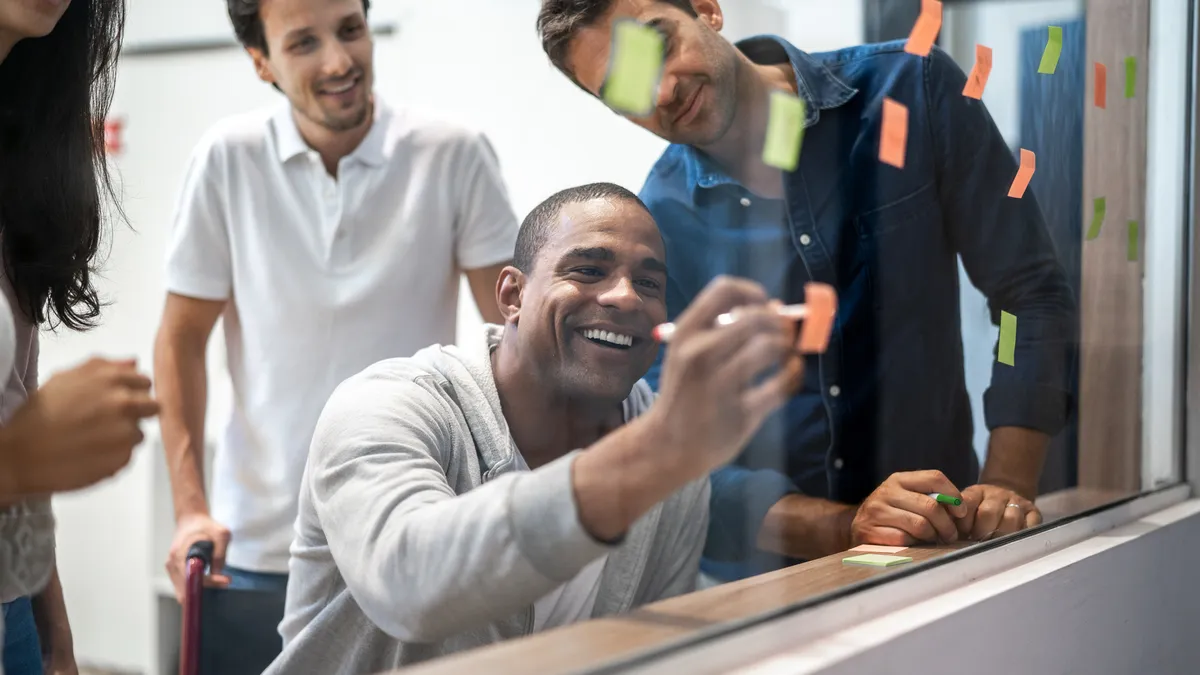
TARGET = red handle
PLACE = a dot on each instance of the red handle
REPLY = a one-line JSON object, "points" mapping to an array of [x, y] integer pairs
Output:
{"points": [[189, 647]]}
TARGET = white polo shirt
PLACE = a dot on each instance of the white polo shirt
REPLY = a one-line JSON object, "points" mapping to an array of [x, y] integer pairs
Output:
{"points": [[324, 277]]}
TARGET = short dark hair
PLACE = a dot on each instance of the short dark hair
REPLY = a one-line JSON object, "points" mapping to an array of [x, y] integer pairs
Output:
{"points": [[560, 21], [246, 17], [536, 228]]}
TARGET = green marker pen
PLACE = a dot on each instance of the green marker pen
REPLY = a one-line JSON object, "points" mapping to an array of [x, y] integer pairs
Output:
{"points": [[945, 499]]}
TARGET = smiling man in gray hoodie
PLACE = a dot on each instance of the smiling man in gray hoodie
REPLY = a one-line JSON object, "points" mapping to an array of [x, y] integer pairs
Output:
{"points": [[466, 496]]}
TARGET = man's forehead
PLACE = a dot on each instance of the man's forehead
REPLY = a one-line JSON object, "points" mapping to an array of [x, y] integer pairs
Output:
{"points": [[589, 51], [615, 225]]}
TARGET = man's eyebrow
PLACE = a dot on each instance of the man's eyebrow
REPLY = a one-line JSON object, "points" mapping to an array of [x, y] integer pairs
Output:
{"points": [[654, 265], [592, 253]]}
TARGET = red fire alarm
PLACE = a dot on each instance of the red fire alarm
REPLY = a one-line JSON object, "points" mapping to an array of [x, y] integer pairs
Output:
{"points": [[112, 136]]}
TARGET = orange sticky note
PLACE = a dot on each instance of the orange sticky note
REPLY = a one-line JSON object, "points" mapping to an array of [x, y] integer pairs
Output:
{"points": [[893, 141], [980, 73], [821, 301], [875, 548], [925, 30], [1101, 85], [1028, 165]]}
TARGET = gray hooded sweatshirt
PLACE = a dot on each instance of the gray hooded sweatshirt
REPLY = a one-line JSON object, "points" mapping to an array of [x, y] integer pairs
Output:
{"points": [[417, 536]]}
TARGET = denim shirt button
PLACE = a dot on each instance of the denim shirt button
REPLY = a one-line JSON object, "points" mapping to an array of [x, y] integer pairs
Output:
{"points": [[838, 464], [745, 201], [835, 391], [805, 239]]}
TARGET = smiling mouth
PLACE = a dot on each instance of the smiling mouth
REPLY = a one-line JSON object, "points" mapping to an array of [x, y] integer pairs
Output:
{"points": [[609, 339], [342, 88], [692, 103]]}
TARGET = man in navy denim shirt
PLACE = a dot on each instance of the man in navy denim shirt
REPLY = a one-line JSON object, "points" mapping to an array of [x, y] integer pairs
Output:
{"points": [[883, 417]]}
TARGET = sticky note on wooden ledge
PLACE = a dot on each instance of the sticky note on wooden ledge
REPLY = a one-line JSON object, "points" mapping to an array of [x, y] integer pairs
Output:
{"points": [[926, 29], [1052, 52], [1132, 253], [634, 68], [980, 73], [893, 140], [1130, 77], [876, 560], [876, 548], [1007, 354], [1099, 208], [1024, 174], [1101, 85], [785, 131]]}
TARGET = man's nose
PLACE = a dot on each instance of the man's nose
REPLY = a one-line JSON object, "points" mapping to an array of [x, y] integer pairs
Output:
{"points": [[337, 60], [621, 294]]}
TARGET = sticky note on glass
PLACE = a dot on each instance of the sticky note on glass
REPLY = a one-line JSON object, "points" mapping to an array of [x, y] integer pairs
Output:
{"points": [[1008, 339], [876, 560], [1130, 76], [1024, 174], [925, 30], [1098, 209], [1132, 253], [1101, 85], [893, 139], [874, 548], [634, 68], [1052, 52], [785, 131], [979, 74]]}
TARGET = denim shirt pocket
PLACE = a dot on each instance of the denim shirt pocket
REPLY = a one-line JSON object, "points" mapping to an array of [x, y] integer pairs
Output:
{"points": [[896, 240]]}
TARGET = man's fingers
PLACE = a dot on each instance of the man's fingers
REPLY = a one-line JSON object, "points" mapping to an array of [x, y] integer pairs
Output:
{"points": [[886, 536], [721, 295], [217, 581], [926, 482], [133, 380], [916, 526], [987, 518], [757, 355], [1033, 517], [1012, 520], [926, 507]]}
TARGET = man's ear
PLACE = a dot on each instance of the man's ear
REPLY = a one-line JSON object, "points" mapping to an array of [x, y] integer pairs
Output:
{"points": [[509, 288], [261, 67], [710, 13]]}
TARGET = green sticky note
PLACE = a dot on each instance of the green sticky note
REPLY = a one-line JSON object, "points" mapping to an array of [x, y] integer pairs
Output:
{"points": [[1008, 339], [1053, 50], [1133, 241], [1130, 76], [634, 68], [876, 560], [785, 131], [1097, 217]]}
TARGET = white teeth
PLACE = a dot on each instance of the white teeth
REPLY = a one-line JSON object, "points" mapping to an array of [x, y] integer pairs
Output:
{"points": [[343, 88], [609, 337]]}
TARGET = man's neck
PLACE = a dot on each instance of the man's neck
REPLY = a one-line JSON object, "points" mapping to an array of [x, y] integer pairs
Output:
{"points": [[332, 145], [545, 424], [739, 152]]}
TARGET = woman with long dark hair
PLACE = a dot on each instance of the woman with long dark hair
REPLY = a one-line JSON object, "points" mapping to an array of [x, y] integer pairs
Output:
{"points": [[57, 67]]}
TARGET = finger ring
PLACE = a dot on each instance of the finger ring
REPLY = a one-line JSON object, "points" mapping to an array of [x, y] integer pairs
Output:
{"points": [[1014, 506]]}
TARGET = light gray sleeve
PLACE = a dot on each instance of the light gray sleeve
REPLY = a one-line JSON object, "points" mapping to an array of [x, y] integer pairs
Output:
{"points": [[422, 562], [676, 565]]}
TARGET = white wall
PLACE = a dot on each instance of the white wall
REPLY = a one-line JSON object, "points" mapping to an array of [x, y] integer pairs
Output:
{"points": [[474, 60]]}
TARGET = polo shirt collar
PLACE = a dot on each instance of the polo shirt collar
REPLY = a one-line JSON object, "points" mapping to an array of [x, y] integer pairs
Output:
{"points": [[816, 85], [289, 142]]}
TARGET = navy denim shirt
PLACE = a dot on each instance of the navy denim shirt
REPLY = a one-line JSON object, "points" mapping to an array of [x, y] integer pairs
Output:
{"points": [[890, 393]]}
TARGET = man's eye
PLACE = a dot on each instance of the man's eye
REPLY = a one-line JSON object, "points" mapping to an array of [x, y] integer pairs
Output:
{"points": [[649, 283], [589, 271]]}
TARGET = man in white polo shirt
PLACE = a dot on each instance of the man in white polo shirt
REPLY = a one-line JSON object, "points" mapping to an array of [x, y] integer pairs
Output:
{"points": [[330, 234]]}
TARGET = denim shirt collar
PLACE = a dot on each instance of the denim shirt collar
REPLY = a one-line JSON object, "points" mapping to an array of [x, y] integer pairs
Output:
{"points": [[816, 85]]}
